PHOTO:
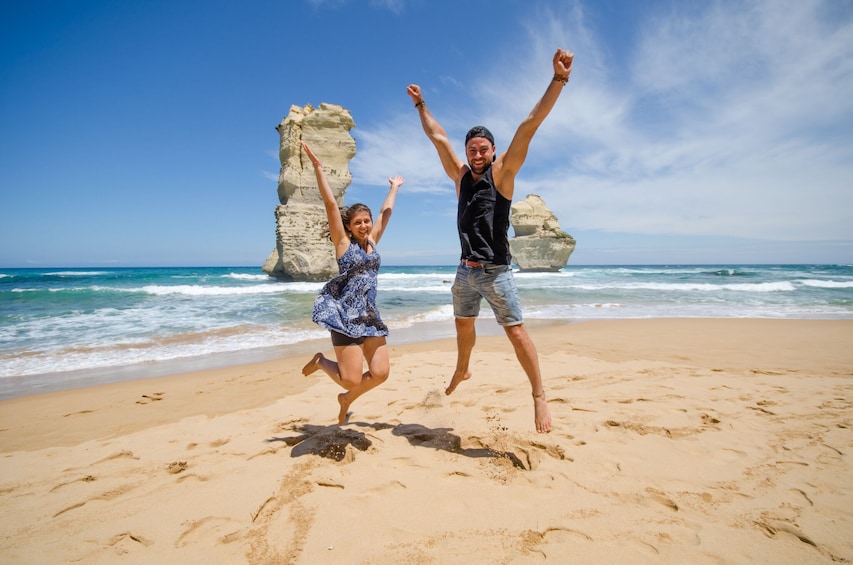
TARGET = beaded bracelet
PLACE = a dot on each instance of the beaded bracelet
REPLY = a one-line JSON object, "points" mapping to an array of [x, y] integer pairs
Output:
{"points": [[558, 78], [420, 104]]}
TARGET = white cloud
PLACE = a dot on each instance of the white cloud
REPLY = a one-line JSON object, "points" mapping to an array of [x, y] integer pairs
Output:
{"points": [[728, 119], [395, 6], [740, 140], [399, 147]]}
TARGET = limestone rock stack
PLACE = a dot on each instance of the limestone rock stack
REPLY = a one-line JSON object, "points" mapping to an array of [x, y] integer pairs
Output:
{"points": [[303, 251], [539, 244]]}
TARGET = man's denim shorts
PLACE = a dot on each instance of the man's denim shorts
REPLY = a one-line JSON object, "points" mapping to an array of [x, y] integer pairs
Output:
{"points": [[492, 282]]}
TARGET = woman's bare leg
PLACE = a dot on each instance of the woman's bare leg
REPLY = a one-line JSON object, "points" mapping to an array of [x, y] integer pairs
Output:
{"points": [[346, 372], [319, 362], [378, 367]]}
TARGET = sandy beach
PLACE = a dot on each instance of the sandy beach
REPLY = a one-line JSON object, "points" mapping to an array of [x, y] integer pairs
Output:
{"points": [[675, 441]]}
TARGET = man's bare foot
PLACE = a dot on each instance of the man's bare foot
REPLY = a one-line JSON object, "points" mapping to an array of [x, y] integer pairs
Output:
{"points": [[313, 364], [541, 414], [454, 382], [344, 402]]}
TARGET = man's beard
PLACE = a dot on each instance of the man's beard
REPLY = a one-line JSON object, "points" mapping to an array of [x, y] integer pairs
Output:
{"points": [[481, 170]]}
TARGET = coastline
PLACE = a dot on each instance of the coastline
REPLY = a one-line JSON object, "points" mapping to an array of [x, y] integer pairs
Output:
{"points": [[707, 341], [18, 386], [698, 440]]}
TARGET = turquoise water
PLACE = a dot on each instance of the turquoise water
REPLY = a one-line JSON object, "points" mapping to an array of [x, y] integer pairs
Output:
{"points": [[54, 321]]}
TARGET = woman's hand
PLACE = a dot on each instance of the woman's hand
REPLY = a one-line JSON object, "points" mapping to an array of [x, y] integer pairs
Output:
{"points": [[314, 160]]}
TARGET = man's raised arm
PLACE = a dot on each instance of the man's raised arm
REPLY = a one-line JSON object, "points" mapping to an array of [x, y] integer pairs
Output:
{"points": [[516, 153], [436, 134]]}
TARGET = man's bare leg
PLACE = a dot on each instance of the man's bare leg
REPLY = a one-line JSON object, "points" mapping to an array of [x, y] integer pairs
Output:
{"points": [[466, 336], [525, 351]]}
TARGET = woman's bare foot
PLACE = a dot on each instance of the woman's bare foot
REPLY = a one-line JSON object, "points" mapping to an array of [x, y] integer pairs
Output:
{"points": [[344, 402], [541, 414], [454, 382], [313, 364]]}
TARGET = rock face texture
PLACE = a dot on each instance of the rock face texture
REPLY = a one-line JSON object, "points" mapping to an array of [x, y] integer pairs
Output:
{"points": [[303, 251], [539, 244]]}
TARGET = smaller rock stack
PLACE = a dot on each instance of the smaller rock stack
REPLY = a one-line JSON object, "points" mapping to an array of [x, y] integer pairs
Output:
{"points": [[539, 244]]}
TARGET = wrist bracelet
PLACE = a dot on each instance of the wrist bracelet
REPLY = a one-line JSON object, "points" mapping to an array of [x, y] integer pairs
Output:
{"points": [[558, 78], [420, 104]]}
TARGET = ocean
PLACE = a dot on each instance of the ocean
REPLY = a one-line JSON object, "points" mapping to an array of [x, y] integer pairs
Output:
{"points": [[61, 328]]}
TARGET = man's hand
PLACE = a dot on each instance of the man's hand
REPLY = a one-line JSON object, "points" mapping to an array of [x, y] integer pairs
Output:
{"points": [[563, 62], [415, 92]]}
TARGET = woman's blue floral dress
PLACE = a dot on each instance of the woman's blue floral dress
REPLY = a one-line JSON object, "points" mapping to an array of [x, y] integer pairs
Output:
{"points": [[347, 303]]}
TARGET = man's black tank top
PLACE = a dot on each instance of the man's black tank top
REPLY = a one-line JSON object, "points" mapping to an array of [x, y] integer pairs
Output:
{"points": [[482, 220]]}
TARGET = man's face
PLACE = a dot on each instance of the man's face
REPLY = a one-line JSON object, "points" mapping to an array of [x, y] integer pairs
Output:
{"points": [[480, 152]]}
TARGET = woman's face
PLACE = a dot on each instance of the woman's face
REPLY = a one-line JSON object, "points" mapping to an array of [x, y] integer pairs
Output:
{"points": [[360, 225]]}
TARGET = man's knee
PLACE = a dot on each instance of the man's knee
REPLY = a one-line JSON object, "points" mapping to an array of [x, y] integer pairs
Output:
{"points": [[516, 333]]}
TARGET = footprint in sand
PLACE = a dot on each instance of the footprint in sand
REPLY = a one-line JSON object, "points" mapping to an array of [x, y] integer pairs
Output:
{"points": [[107, 495], [122, 545], [434, 399], [709, 420], [771, 527], [149, 398], [128, 537], [564, 535], [176, 467], [224, 529], [667, 432], [69, 508], [661, 498], [762, 410], [125, 454], [77, 413], [289, 424], [385, 488], [86, 479]]}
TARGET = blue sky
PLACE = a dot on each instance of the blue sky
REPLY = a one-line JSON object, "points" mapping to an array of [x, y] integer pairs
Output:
{"points": [[142, 133]]}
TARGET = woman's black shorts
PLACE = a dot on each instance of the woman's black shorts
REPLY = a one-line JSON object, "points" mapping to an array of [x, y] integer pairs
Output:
{"points": [[342, 339]]}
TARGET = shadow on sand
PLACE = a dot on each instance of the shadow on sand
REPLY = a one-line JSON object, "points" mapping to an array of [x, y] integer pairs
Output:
{"points": [[331, 441]]}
